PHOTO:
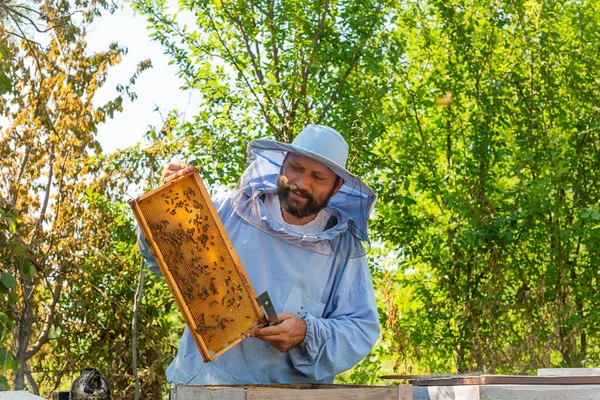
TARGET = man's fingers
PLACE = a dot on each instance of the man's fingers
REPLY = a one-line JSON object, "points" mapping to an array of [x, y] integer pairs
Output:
{"points": [[285, 315], [281, 317], [269, 331], [281, 329], [179, 173], [175, 166], [289, 333], [169, 178], [174, 170]]}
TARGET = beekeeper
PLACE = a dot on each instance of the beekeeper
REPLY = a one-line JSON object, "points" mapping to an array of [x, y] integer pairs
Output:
{"points": [[298, 221]]}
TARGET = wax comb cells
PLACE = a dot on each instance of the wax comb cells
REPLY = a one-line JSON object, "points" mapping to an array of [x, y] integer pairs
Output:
{"points": [[199, 264]]}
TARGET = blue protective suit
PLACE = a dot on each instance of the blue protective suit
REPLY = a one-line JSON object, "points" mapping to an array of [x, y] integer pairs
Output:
{"points": [[334, 296]]}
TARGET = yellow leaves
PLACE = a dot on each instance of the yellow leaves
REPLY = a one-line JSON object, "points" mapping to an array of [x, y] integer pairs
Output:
{"points": [[100, 115]]}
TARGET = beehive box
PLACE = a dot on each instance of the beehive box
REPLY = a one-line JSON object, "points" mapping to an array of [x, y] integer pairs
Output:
{"points": [[199, 264], [299, 391]]}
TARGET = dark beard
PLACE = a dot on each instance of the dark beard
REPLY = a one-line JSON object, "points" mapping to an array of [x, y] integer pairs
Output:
{"points": [[311, 207]]}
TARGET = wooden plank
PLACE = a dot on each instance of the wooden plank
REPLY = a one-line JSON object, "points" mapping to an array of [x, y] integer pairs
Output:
{"points": [[568, 372], [464, 392], [508, 380], [507, 392], [538, 392], [369, 393], [185, 392], [302, 391]]}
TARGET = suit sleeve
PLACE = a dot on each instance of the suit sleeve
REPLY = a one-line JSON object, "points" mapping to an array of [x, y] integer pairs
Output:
{"points": [[349, 331], [145, 251]]}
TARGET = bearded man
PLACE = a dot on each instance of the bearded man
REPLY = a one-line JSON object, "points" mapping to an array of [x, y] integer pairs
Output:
{"points": [[298, 221]]}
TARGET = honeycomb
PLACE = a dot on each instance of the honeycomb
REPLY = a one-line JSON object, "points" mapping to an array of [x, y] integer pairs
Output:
{"points": [[199, 264]]}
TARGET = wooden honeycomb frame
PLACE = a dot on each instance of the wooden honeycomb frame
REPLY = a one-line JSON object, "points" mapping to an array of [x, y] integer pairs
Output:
{"points": [[199, 264]]}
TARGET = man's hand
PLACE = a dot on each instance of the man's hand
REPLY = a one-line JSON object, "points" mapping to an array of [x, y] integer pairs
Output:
{"points": [[175, 170], [289, 333]]}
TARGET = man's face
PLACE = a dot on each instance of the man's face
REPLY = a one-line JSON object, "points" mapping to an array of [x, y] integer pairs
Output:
{"points": [[305, 185]]}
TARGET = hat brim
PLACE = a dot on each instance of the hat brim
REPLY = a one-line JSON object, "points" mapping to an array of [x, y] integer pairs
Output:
{"points": [[268, 144]]}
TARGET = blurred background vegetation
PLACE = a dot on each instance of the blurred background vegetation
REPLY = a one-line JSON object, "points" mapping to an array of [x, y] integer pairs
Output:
{"points": [[475, 122]]}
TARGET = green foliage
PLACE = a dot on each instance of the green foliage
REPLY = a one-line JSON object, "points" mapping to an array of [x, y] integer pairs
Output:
{"points": [[366, 372], [67, 244], [267, 69], [8, 281], [477, 125], [5, 83], [489, 191], [8, 293], [97, 331], [475, 122]]}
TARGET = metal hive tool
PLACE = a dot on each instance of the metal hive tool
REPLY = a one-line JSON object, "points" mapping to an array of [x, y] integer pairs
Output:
{"points": [[199, 264]]}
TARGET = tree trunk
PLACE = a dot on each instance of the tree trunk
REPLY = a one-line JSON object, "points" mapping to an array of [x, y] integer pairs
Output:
{"points": [[23, 334], [31, 383]]}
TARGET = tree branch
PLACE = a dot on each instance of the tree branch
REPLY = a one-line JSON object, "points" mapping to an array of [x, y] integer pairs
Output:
{"points": [[357, 54], [239, 69], [274, 51], [315, 44], [307, 64], [48, 187], [338, 88], [53, 129], [43, 337], [134, 323], [302, 95], [28, 19], [23, 37], [23, 334], [254, 62], [13, 201], [31, 382]]}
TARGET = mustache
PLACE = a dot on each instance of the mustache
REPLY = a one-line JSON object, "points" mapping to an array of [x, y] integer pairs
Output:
{"points": [[294, 188]]}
